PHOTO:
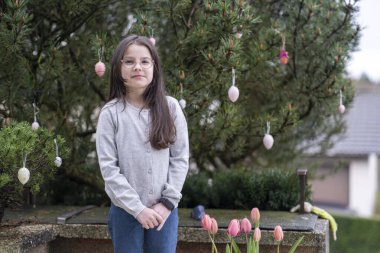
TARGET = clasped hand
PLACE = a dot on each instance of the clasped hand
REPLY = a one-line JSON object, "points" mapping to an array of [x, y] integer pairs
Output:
{"points": [[153, 216]]}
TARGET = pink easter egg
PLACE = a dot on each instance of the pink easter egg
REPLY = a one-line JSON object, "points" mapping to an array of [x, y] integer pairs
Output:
{"points": [[342, 109], [100, 68], [153, 41]]}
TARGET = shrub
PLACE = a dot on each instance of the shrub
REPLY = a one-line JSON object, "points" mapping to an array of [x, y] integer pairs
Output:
{"points": [[240, 189], [16, 141]]}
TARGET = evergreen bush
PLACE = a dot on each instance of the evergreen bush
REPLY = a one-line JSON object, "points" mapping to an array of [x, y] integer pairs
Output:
{"points": [[18, 140], [275, 190]]}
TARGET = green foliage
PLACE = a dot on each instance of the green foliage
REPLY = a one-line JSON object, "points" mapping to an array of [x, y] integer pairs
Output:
{"points": [[238, 189], [17, 141], [356, 235]]}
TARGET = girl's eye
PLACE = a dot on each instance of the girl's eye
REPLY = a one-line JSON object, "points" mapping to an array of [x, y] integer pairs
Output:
{"points": [[129, 62]]}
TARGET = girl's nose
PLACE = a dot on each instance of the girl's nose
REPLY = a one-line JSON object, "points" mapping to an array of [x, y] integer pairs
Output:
{"points": [[137, 66]]}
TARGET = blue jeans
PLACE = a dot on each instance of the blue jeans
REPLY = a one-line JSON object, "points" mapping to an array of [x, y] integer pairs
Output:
{"points": [[128, 236]]}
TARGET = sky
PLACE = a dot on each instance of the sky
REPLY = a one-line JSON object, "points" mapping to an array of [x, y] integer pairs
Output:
{"points": [[367, 58]]}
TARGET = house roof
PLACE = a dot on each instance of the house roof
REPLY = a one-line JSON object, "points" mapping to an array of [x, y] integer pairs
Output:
{"points": [[362, 118]]}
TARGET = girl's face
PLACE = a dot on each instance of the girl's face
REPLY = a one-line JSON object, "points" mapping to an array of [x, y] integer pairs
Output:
{"points": [[137, 68]]}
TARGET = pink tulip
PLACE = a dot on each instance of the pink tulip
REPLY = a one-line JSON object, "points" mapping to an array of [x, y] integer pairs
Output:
{"points": [[255, 216], [278, 234], [214, 226], [246, 226], [257, 235], [233, 228], [206, 222]]}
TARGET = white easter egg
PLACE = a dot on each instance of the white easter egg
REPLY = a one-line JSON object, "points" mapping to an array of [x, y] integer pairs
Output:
{"points": [[182, 103], [268, 141], [238, 35], [233, 93], [23, 175], [58, 161], [342, 109], [35, 125]]}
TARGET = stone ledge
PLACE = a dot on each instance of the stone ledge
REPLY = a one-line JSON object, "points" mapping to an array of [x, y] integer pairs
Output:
{"points": [[90, 229], [22, 238]]}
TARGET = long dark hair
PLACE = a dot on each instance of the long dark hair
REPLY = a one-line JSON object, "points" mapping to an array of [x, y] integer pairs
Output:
{"points": [[162, 131]]}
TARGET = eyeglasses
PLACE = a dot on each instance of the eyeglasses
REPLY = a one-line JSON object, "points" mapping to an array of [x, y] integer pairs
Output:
{"points": [[145, 63]]}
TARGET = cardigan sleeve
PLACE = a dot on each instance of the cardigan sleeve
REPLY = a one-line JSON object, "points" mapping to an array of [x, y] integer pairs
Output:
{"points": [[117, 186], [179, 157]]}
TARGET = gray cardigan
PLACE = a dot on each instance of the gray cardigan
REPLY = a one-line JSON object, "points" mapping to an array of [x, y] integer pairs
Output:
{"points": [[135, 174]]}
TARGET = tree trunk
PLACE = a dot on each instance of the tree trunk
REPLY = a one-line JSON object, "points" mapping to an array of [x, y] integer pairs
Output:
{"points": [[2, 209]]}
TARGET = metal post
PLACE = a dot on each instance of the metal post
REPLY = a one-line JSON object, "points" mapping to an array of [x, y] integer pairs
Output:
{"points": [[302, 180]]}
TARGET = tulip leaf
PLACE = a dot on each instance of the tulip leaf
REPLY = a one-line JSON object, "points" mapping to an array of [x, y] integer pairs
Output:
{"points": [[235, 247], [228, 249], [249, 245], [295, 245], [253, 250]]}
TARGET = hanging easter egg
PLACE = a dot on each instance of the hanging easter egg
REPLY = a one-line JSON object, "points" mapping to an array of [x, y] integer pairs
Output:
{"points": [[35, 125], [233, 93], [23, 175], [100, 68], [58, 161], [268, 141], [182, 103], [342, 109], [152, 40], [238, 35], [284, 58]]}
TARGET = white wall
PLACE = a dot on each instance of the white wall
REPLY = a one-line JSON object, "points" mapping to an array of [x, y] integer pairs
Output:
{"points": [[363, 185]]}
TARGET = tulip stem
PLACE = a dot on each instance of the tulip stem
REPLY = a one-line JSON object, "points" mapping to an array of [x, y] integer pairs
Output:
{"points": [[278, 248], [213, 244]]}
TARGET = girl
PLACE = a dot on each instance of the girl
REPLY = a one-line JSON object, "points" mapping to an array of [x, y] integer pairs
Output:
{"points": [[143, 150]]}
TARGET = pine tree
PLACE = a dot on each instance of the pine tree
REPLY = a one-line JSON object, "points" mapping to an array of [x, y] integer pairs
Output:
{"points": [[51, 47]]}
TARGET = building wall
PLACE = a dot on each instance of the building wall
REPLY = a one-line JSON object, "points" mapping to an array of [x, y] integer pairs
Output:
{"points": [[330, 187], [363, 185]]}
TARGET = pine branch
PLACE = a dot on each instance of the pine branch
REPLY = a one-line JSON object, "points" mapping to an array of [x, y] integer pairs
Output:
{"points": [[295, 34], [83, 72], [172, 19], [85, 133]]}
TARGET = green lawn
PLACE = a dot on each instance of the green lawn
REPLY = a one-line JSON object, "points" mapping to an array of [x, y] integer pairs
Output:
{"points": [[356, 235]]}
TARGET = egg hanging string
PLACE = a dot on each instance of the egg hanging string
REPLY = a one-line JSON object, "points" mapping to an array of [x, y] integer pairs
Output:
{"points": [[36, 110], [233, 77], [56, 148], [35, 124], [283, 42], [58, 160], [24, 159], [268, 127], [100, 53]]}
